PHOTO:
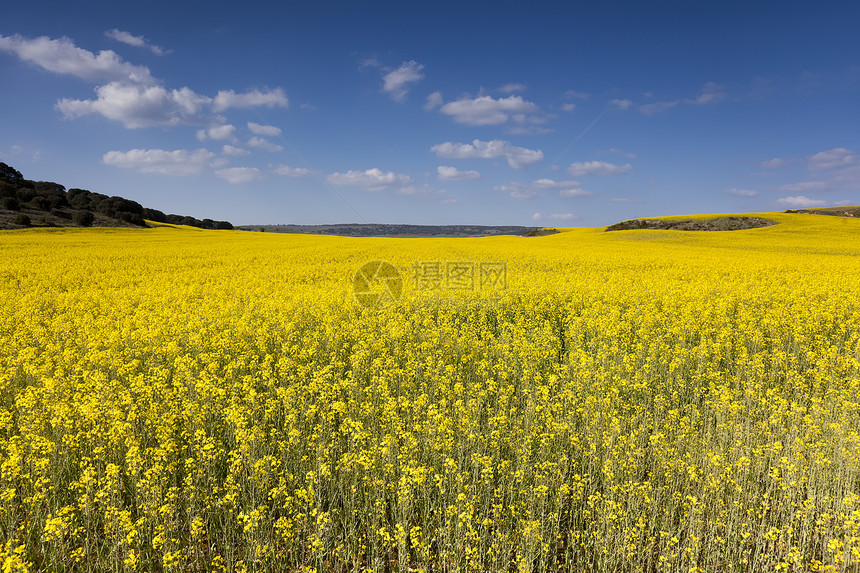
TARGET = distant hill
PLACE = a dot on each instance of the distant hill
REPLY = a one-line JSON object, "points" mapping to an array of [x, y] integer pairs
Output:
{"points": [[832, 211], [382, 230], [25, 203], [732, 223]]}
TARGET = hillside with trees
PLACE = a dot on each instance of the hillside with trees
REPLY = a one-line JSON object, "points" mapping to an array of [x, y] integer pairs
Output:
{"points": [[26, 203]]}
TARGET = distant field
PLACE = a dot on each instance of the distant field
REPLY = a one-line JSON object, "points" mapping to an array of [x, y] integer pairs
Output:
{"points": [[176, 399]]}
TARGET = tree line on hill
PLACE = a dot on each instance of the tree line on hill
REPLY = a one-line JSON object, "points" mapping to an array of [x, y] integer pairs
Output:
{"points": [[80, 206]]}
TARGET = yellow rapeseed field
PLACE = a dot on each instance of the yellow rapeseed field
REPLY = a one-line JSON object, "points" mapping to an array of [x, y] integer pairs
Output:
{"points": [[184, 400]]}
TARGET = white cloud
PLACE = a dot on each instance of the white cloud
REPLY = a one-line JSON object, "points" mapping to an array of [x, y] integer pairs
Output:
{"points": [[239, 175], [219, 162], [711, 92], [62, 56], [625, 200], [226, 99], [517, 157], [178, 162], [555, 217], [598, 168], [262, 143], [433, 101], [269, 130], [371, 179], [552, 184], [568, 106], [136, 41], [801, 201], [511, 88], [621, 103], [485, 110], [139, 106], [395, 83], [774, 163], [520, 190], [217, 132], [804, 187], [234, 151], [657, 107], [742, 192], [833, 158], [291, 171], [445, 173]]}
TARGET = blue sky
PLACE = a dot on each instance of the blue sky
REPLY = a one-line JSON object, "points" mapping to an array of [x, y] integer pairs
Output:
{"points": [[555, 114]]}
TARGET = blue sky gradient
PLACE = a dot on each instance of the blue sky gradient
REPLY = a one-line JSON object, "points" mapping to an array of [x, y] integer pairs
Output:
{"points": [[559, 114]]}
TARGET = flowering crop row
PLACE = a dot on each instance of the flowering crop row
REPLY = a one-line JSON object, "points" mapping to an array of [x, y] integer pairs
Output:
{"points": [[185, 400]]}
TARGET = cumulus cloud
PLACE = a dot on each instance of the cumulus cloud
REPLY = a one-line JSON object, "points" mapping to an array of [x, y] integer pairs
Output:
{"points": [[263, 143], [127, 93], [485, 110], [239, 175], [291, 171], [396, 82], [774, 163], [621, 103], [445, 173], [517, 157], [580, 168], [136, 41], [139, 106], [568, 106], [742, 192], [234, 151], [217, 132], [177, 162], [371, 179], [711, 92], [832, 159], [269, 130], [227, 99], [62, 56], [433, 101], [801, 201]]}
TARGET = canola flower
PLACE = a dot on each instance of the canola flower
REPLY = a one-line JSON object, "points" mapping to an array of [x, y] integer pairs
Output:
{"points": [[184, 400]]}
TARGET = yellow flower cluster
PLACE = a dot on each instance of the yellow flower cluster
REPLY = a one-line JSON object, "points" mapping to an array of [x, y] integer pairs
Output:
{"points": [[185, 400]]}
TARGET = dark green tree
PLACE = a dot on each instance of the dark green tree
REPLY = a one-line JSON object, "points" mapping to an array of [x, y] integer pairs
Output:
{"points": [[84, 218]]}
